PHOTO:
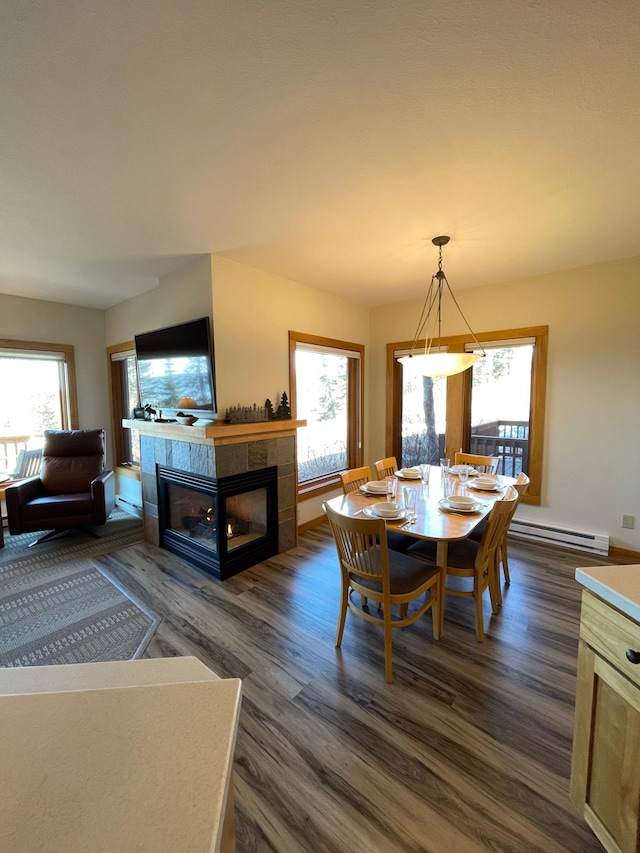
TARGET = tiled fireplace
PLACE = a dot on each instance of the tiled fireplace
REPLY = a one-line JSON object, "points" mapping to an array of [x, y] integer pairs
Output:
{"points": [[222, 526], [240, 480]]}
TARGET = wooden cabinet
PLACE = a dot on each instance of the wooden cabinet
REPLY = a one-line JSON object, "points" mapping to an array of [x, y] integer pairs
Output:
{"points": [[605, 770]]}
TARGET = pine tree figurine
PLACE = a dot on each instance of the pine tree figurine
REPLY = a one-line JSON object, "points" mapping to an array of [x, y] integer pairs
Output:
{"points": [[284, 412], [268, 407]]}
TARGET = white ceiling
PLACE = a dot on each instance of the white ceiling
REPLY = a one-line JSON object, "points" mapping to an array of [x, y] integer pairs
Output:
{"points": [[324, 141]]}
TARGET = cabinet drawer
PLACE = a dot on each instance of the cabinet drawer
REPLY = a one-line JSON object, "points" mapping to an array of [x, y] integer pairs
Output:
{"points": [[610, 633]]}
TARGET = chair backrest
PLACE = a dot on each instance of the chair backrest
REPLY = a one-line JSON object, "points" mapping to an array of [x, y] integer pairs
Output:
{"points": [[521, 484], [352, 480], [27, 464], [484, 464], [72, 459], [362, 547], [385, 467], [498, 522]]}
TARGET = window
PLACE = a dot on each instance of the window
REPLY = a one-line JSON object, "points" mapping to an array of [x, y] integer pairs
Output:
{"points": [[326, 391], [500, 410], [423, 417], [38, 393], [495, 409], [124, 396]]}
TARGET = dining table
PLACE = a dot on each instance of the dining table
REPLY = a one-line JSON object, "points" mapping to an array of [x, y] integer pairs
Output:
{"points": [[433, 521]]}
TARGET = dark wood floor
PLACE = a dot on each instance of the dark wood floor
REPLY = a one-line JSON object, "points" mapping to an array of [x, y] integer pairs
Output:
{"points": [[468, 750]]}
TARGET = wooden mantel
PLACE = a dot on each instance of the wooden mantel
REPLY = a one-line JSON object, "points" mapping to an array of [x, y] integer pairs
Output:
{"points": [[217, 434]]}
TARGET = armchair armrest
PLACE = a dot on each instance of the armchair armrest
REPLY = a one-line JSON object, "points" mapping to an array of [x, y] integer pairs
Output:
{"points": [[17, 495], [103, 495]]}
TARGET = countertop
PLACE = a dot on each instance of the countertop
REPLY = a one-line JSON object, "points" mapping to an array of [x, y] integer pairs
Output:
{"points": [[131, 755], [617, 585]]}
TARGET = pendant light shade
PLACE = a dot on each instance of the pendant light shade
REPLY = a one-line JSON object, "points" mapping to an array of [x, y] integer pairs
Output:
{"points": [[440, 363], [432, 361]]}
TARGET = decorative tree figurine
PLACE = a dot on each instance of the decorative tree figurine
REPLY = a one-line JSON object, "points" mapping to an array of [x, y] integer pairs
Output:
{"points": [[284, 412], [268, 407]]}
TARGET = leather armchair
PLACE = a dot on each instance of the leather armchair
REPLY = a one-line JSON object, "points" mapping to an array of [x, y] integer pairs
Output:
{"points": [[72, 490]]}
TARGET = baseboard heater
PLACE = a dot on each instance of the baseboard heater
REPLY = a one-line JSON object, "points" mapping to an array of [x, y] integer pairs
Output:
{"points": [[128, 506], [596, 543]]}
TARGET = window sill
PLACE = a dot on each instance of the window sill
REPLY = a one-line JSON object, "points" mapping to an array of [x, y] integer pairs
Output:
{"points": [[132, 471], [306, 491]]}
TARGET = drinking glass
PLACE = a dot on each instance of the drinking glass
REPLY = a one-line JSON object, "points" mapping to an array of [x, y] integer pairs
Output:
{"points": [[392, 485], [444, 467], [410, 501], [424, 472], [463, 474]]}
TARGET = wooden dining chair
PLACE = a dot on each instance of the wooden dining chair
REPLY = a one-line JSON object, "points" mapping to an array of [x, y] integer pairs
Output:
{"points": [[521, 485], [369, 567], [467, 558], [385, 467], [351, 482], [483, 464], [354, 478]]}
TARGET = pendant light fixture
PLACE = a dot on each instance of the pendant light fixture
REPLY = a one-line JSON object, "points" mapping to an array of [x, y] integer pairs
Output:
{"points": [[432, 361]]}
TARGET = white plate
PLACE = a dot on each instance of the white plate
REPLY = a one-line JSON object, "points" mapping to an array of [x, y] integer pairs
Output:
{"points": [[368, 511], [444, 504], [369, 491], [408, 475], [455, 469], [494, 487]]}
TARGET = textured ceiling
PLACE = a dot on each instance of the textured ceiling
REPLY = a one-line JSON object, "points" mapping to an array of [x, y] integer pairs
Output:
{"points": [[327, 142]]}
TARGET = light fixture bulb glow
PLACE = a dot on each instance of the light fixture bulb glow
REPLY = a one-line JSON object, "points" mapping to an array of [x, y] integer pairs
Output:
{"points": [[440, 363]]}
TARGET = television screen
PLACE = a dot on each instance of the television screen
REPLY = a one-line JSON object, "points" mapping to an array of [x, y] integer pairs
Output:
{"points": [[176, 368]]}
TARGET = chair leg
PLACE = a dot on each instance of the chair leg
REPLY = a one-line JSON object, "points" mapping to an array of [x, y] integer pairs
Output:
{"points": [[344, 597], [477, 597], [404, 610], [364, 600], [505, 562], [493, 578], [388, 675]]}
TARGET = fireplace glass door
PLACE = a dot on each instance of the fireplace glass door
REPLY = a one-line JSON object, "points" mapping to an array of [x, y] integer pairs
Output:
{"points": [[222, 526]]}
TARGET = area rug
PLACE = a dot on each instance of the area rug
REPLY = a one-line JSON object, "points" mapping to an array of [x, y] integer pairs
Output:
{"points": [[122, 529], [57, 608]]}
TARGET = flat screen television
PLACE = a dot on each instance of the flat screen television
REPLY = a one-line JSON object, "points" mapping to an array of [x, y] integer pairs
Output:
{"points": [[176, 369]]}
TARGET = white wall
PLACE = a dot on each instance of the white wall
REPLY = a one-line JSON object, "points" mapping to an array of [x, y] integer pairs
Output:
{"points": [[253, 314], [591, 473], [181, 296], [53, 322]]}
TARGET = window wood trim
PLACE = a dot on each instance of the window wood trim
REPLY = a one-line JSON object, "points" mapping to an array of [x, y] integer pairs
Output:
{"points": [[68, 407], [459, 398], [355, 411], [115, 398]]}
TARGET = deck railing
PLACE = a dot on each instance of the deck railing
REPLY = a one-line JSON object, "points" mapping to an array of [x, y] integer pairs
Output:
{"points": [[509, 440], [10, 447]]}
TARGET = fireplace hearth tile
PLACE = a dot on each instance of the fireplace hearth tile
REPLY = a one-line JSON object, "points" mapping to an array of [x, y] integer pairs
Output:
{"points": [[150, 488], [162, 450], [287, 535], [231, 459], [147, 454], [286, 449], [152, 528], [180, 456], [286, 492], [262, 454], [287, 470], [203, 459]]}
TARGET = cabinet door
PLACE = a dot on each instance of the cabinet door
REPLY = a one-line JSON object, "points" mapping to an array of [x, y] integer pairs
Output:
{"points": [[605, 772]]}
